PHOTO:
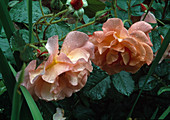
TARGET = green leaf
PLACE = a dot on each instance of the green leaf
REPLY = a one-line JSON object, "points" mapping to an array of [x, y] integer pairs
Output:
{"points": [[136, 2], [123, 82], [162, 69], [158, 8], [136, 11], [93, 7], [122, 4], [156, 40], [7, 74], [163, 29], [97, 85], [2, 87], [17, 98], [12, 3], [0, 27], [32, 105], [29, 6], [60, 29], [19, 12], [163, 89], [165, 113], [18, 43], [6, 20], [151, 83]]}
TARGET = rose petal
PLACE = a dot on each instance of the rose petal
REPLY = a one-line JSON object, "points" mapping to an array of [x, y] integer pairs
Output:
{"points": [[99, 36], [149, 53], [77, 54], [72, 77], [89, 47], [142, 26], [51, 72], [73, 40], [126, 57], [111, 56], [113, 24], [130, 47], [141, 37], [52, 45], [149, 18]]}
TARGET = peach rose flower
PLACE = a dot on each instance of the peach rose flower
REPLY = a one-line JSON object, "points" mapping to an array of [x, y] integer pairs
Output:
{"points": [[117, 48], [65, 71]]}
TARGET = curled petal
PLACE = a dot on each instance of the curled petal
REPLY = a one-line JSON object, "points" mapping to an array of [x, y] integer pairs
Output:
{"points": [[52, 45], [126, 57], [89, 47], [111, 56], [51, 72], [149, 53], [77, 54], [142, 26], [141, 37], [130, 47], [73, 40], [99, 36]]}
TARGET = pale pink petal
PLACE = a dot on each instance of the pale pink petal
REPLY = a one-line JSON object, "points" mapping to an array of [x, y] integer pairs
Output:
{"points": [[142, 26], [113, 24], [77, 54], [73, 40], [52, 45], [34, 74], [81, 64], [72, 77], [31, 66], [141, 37], [63, 58], [51, 72], [42, 90], [89, 47], [150, 18]]}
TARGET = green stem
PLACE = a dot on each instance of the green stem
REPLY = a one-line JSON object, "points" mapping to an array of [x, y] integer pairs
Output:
{"points": [[60, 13], [114, 7], [129, 11], [150, 5], [160, 21], [127, 20], [42, 10]]}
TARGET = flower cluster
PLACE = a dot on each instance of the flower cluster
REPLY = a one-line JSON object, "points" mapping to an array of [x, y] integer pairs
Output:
{"points": [[65, 71], [117, 48]]}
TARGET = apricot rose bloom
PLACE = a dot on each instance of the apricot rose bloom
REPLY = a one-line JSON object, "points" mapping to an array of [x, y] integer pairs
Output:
{"points": [[117, 48], [65, 71]]}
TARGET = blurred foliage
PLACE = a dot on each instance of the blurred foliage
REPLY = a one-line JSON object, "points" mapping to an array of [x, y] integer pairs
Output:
{"points": [[104, 97]]}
